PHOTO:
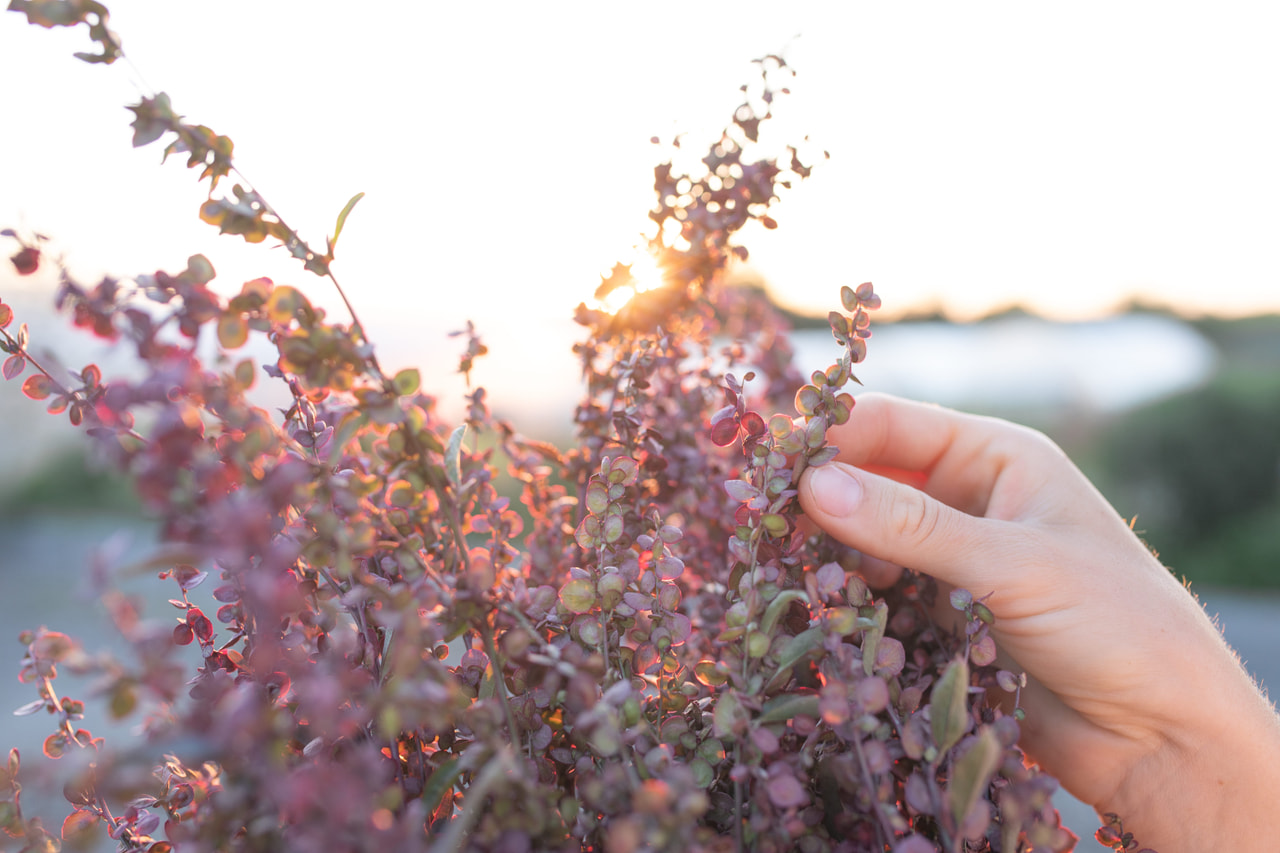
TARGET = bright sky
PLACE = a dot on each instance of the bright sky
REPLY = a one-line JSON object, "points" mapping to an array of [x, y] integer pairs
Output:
{"points": [[1066, 156]]}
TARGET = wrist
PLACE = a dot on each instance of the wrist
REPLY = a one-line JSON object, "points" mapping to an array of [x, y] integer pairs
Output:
{"points": [[1212, 783]]}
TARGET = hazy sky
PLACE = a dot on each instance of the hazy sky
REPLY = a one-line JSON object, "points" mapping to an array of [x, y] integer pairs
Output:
{"points": [[1067, 156]]}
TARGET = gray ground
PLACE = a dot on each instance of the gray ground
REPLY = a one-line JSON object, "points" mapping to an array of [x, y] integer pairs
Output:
{"points": [[40, 559]]}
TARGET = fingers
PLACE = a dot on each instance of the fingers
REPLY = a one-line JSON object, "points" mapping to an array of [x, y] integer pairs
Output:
{"points": [[895, 523], [895, 433], [956, 458]]}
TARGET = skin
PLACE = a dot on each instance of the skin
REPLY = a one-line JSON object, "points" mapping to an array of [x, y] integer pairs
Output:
{"points": [[1134, 701]]}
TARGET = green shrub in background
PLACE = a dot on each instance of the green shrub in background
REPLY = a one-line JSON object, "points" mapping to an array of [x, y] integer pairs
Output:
{"points": [[1201, 471]]}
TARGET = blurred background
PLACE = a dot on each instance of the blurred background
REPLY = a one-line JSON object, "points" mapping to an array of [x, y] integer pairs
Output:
{"points": [[1069, 213]]}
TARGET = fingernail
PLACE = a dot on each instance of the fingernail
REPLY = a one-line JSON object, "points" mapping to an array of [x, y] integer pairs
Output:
{"points": [[835, 490]]}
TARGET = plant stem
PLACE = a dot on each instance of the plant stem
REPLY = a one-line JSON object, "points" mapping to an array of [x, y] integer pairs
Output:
{"points": [[737, 801], [500, 683]]}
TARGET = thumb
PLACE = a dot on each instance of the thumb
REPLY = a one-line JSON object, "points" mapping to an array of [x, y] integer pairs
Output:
{"points": [[897, 523]]}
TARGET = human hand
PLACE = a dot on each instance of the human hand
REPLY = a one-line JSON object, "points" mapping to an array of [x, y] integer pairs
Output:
{"points": [[1134, 701]]}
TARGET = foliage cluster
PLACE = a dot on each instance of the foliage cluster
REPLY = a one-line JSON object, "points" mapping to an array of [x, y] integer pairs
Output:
{"points": [[662, 657]]}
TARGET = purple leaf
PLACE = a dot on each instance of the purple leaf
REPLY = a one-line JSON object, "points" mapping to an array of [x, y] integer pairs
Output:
{"points": [[786, 792], [741, 490]]}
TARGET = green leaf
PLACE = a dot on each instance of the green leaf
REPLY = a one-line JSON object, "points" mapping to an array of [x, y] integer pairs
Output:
{"points": [[233, 331], [578, 595], [795, 649], [444, 778], [972, 773], [776, 607], [342, 220], [788, 706], [407, 381], [401, 494], [870, 645], [453, 455], [948, 705], [729, 719], [488, 683]]}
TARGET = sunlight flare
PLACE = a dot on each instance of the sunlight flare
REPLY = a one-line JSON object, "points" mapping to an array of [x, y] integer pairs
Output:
{"points": [[625, 281]]}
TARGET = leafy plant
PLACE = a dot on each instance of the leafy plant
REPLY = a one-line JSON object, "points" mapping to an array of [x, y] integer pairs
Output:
{"points": [[663, 657]]}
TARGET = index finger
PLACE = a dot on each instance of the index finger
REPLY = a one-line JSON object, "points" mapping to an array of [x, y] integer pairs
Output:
{"points": [[952, 456]]}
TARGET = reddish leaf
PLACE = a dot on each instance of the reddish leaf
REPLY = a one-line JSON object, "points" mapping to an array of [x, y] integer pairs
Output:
{"points": [[182, 634], [200, 624], [54, 745], [753, 423], [27, 260], [78, 824], [37, 386], [724, 433], [6, 315], [188, 577], [52, 646]]}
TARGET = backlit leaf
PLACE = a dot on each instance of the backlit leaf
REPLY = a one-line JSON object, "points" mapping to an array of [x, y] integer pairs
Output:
{"points": [[233, 331], [55, 745], [578, 595], [401, 493], [453, 455], [37, 386], [52, 646], [407, 381], [342, 220], [79, 824]]}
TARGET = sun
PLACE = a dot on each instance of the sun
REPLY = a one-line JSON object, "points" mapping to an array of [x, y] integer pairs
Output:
{"points": [[642, 274]]}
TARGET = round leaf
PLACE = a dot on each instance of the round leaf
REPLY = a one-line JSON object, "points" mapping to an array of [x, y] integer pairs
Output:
{"points": [[407, 381], [578, 595], [37, 386], [233, 331]]}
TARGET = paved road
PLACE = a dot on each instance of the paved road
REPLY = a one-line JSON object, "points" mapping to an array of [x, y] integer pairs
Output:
{"points": [[40, 559]]}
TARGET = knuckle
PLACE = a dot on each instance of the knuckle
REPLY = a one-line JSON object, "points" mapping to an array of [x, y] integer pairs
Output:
{"points": [[916, 518]]}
